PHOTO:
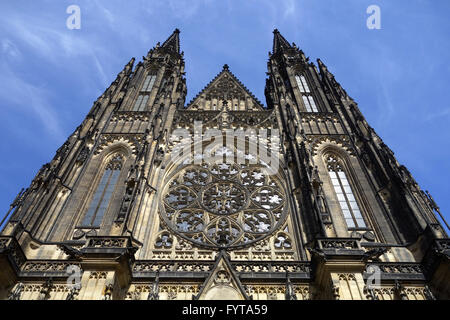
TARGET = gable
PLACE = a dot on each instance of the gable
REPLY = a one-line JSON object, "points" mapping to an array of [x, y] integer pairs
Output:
{"points": [[222, 282], [225, 87]]}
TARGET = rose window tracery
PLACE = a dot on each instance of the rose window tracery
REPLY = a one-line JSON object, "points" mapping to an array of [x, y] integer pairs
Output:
{"points": [[224, 171], [223, 205], [282, 241], [164, 240], [257, 221], [267, 197], [253, 177], [180, 197], [189, 221], [223, 198]]}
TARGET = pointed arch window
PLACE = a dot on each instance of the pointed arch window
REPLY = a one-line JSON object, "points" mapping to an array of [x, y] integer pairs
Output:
{"points": [[140, 103], [308, 99], [344, 193], [148, 83], [310, 105], [142, 99], [302, 84], [103, 193]]}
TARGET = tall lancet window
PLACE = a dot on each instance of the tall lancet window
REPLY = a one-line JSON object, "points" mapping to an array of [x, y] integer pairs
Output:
{"points": [[344, 193], [140, 103], [302, 84], [103, 193], [142, 99], [148, 83], [308, 99]]}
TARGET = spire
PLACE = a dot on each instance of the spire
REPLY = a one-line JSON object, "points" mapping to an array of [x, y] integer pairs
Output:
{"points": [[173, 42], [326, 74], [129, 66], [322, 65], [324, 70], [279, 42]]}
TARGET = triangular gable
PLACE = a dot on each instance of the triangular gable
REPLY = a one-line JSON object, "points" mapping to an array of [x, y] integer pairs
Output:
{"points": [[222, 282], [225, 86]]}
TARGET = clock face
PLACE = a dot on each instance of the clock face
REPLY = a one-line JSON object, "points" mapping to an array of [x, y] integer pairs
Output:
{"points": [[223, 205]]}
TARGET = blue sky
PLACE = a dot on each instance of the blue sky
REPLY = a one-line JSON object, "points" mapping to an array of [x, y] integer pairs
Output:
{"points": [[399, 75]]}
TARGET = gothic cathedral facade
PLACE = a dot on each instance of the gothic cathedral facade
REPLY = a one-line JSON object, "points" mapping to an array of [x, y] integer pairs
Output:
{"points": [[326, 212]]}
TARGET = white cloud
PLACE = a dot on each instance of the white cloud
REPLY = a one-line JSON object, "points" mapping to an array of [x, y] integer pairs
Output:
{"points": [[439, 114], [107, 13], [10, 49], [22, 97], [289, 8]]}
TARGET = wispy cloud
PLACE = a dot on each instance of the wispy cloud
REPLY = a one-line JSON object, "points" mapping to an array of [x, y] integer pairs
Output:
{"points": [[10, 49], [20, 96], [52, 43], [289, 8], [110, 17], [438, 114], [397, 74]]}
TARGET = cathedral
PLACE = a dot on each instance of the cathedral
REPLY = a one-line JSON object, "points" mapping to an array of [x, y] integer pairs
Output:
{"points": [[223, 197]]}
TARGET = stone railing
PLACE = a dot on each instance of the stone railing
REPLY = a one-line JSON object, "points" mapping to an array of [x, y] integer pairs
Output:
{"points": [[443, 245], [393, 267], [107, 242], [397, 271], [4, 241], [48, 266], [339, 243], [271, 267], [172, 266], [10, 246]]}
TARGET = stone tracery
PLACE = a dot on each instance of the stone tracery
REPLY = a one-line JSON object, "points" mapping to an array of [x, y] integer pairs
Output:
{"points": [[223, 205]]}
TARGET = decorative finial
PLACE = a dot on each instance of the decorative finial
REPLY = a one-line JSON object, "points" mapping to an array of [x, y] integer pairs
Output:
{"points": [[225, 67], [176, 30], [276, 31], [321, 64]]}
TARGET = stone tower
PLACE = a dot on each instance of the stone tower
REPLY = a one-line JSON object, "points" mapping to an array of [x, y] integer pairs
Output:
{"points": [[223, 197]]}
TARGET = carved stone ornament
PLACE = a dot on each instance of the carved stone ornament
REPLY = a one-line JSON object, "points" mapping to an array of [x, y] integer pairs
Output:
{"points": [[223, 205]]}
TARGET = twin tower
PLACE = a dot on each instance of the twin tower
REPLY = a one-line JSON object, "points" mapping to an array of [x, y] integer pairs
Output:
{"points": [[115, 215]]}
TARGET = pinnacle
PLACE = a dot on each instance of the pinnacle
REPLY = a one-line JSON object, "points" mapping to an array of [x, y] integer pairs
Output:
{"points": [[321, 64], [279, 42], [173, 42]]}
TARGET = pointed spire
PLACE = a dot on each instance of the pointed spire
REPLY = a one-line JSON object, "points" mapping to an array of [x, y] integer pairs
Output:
{"points": [[129, 66], [330, 77], [322, 65], [173, 42], [279, 42]]}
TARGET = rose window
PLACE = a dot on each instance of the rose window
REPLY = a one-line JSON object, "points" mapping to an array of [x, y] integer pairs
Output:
{"points": [[223, 205], [223, 198], [180, 197]]}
